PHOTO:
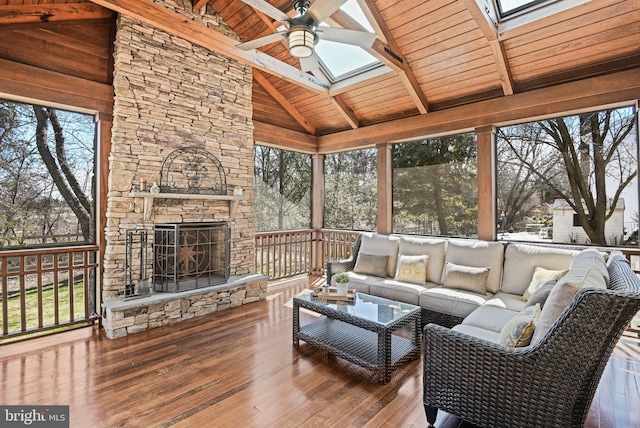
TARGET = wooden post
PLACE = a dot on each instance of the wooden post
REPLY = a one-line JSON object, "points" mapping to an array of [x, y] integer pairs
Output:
{"points": [[385, 188], [317, 213], [104, 122], [486, 137]]}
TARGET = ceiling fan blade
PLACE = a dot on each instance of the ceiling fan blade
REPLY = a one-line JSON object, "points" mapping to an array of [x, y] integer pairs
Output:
{"points": [[261, 41], [363, 39], [309, 63], [268, 10], [321, 10]]}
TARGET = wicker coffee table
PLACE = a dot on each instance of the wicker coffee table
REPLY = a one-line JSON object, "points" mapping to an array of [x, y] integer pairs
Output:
{"points": [[361, 331]]}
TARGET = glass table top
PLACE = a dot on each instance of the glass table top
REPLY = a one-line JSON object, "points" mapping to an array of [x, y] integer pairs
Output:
{"points": [[371, 308]]}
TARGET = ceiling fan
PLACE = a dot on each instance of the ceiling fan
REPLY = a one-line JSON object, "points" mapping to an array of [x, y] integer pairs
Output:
{"points": [[303, 32]]}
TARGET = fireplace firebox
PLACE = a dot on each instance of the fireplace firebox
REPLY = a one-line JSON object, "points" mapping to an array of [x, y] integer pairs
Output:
{"points": [[190, 255]]}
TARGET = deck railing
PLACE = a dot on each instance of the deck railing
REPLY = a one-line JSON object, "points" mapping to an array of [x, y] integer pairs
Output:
{"points": [[288, 253], [283, 254], [45, 289]]}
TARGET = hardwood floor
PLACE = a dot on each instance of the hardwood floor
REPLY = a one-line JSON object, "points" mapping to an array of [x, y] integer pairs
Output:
{"points": [[239, 368]]}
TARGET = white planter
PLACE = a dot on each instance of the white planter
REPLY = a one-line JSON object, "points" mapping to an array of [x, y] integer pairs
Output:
{"points": [[342, 289]]}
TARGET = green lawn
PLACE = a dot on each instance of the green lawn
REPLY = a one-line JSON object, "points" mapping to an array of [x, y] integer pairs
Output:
{"points": [[48, 307]]}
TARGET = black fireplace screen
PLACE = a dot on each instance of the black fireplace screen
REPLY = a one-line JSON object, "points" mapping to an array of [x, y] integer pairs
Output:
{"points": [[190, 255]]}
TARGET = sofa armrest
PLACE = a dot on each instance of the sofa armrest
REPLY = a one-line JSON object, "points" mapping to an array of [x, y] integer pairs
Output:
{"points": [[337, 266], [344, 265], [468, 376], [455, 362]]}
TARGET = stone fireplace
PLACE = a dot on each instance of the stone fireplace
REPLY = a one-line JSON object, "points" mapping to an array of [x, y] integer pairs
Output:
{"points": [[170, 95]]}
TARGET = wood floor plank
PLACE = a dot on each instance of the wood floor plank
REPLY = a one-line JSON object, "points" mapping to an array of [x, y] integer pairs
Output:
{"points": [[240, 368]]}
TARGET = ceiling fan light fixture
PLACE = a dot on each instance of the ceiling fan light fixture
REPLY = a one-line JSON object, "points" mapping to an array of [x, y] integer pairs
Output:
{"points": [[301, 41]]}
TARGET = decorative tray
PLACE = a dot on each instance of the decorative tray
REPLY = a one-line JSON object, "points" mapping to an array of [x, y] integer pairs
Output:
{"points": [[332, 295]]}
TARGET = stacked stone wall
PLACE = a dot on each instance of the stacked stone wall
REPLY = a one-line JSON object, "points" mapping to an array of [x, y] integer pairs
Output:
{"points": [[170, 94]]}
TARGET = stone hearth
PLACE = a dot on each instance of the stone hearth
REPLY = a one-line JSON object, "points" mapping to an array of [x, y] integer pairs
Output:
{"points": [[123, 317]]}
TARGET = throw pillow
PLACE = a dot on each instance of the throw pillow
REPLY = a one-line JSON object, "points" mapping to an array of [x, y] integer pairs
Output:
{"points": [[584, 273], [540, 277], [517, 332], [540, 296], [466, 278], [412, 269], [367, 264]]}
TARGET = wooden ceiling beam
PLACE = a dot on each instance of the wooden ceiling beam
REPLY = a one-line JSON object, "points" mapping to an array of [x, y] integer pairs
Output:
{"points": [[158, 16], [584, 95], [198, 4], [280, 99], [27, 83], [274, 136], [346, 111], [486, 16], [39, 13]]}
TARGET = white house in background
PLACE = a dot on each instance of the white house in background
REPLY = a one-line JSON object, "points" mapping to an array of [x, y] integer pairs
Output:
{"points": [[567, 228]]}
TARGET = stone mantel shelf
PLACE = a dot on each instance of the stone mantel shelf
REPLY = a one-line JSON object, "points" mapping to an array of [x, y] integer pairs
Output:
{"points": [[149, 197]]}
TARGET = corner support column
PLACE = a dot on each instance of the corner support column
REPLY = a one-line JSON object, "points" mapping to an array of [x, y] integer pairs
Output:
{"points": [[486, 137], [317, 213], [385, 189]]}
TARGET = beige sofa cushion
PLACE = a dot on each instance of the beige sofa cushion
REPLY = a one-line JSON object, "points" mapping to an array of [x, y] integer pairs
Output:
{"points": [[490, 318], [399, 290], [433, 247], [520, 261], [588, 270], [506, 301], [381, 245], [479, 254], [459, 303], [358, 281]]}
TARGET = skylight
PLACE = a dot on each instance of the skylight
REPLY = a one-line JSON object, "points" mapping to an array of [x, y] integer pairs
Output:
{"points": [[508, 7], [341, 60]]}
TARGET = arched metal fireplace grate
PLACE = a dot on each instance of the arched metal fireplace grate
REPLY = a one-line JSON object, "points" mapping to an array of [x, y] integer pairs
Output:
{"points": [[192, 170]]}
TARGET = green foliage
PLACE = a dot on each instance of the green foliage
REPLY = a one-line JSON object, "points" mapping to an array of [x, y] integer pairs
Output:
{"points": [[435, 186], [283, 188], [351, 190], [342, 278], [48, 306]]}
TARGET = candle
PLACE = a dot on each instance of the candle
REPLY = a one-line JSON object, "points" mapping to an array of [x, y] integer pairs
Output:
{"points": [[143, 184]]}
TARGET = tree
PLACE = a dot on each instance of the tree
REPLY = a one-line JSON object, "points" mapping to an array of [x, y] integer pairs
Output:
{"points": [[521, 191], [60, 167], [436, 179], [351, 190], [30, 198], [283, 186], [586, 160]]}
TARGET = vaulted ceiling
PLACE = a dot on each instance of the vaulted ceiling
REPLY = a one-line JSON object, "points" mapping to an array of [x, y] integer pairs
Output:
{"points": [[439, 53]]}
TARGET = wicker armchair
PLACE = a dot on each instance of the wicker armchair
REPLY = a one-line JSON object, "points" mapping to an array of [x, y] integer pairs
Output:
{"points": [[548, 384], [345, 265]]}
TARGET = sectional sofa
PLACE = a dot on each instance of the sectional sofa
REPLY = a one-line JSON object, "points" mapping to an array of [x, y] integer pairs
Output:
{"points": [[515, 335], [476, 287]]}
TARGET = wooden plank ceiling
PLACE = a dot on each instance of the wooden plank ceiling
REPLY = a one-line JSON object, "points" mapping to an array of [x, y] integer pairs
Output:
{"points": [[444, 53]]}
